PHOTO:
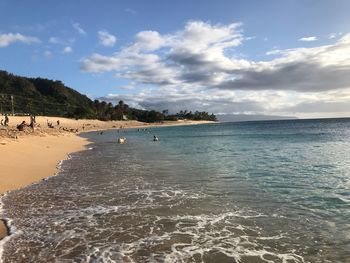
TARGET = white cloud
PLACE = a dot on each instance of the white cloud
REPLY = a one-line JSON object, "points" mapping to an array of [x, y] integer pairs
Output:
{"points": [[301, 69], [335, 35], [149, 40], [308, 39], [79, 29], [10, 38], [192, 69], [67, 50], [176, 100], [199, 41], [332, 35], [106, 39]]}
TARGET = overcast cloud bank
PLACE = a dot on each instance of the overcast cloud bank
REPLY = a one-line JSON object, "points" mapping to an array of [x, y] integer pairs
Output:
{"points": [[198, 68]]}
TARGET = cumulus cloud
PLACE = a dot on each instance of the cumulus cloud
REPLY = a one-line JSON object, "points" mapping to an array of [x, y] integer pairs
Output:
{"points": [[196, 56], [67, 50], [302, 69], [200, 64], [149, 40], [79, 29], [10, 38], [106, 39], [308, 39], [198, 44]]}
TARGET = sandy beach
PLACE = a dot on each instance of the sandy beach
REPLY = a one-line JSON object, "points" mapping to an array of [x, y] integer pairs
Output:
{"points": [[32, 155]]}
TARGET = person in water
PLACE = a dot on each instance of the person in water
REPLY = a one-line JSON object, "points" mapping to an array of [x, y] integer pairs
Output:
{"points": [[155, 138]]}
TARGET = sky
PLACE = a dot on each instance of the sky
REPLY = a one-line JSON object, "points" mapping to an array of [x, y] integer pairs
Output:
{"points": [[272, 57]]}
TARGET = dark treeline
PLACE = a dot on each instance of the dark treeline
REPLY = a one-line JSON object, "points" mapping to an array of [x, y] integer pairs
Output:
{"points": [[40, 96], [203, 115]]}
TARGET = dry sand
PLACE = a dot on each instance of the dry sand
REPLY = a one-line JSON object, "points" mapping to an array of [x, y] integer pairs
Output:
{"points": [[32, 155], [30, 159]]}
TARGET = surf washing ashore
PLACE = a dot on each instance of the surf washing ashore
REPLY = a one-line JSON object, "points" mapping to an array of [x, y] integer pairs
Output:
{"points": [[275, 191], [30, 156], [29, 160]]}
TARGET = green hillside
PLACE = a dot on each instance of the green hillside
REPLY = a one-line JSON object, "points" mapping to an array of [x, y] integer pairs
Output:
{"points": [[42, 97]]}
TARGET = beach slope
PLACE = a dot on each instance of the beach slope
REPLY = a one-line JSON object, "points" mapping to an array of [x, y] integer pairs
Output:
{"points": [[33, 158]]}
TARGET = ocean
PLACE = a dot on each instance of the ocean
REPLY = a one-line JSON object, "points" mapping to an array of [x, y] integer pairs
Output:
{"points": [[267, 191]]}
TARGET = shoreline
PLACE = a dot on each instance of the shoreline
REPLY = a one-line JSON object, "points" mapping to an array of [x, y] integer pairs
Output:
{"points": [[29, 157], [32, 159]]}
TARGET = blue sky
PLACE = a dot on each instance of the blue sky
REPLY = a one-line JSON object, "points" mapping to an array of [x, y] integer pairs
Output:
{"points": [[251, 57]]}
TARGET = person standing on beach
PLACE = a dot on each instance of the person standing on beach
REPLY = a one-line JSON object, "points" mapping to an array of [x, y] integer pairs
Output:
{"points": [[32, 121], [6, 122]]}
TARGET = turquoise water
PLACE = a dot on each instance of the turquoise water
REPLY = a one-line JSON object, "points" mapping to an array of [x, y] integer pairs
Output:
{"points": [[274, 191]]}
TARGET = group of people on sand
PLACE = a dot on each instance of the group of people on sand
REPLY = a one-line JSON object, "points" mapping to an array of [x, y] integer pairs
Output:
{"points": [[50, 125], [58, 122], [23, 124], [69, 129], [32, 123]]}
